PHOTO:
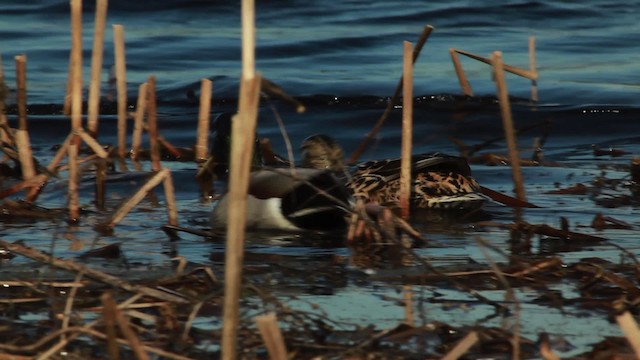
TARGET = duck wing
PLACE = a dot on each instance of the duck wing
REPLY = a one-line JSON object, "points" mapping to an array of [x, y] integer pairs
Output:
{"points": [[428, 162]]}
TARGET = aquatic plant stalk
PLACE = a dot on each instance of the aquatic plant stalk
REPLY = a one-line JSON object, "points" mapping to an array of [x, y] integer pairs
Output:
{"points": [[152, 123], [76, 107], [93, 107], [272, 336], [508, 68], [204, 118], [170, 198], [121, 87], [109, 309], [426, 31], [125, 208], [630, 330], [462, 77], [462, 347], [407, 129], [138, 124], [507, 123], [125, 328], [532, 68], [21, 134], [243, 130]]}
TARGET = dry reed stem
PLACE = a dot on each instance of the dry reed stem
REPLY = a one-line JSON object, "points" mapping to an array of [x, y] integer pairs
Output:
{"points": [[93, 107], [21, 90], [121, 87], [507, 123], [152, 123], [242, 142], [22, 135], [630, 330], [170, 198], [272, 336], [204, 118], [275, 90], [92, 143], [462, 77], [125, 208], [243, 129], [5, 136], [248, 39], [68, 306], [125, 328], [74, 174], [426, 31], [91, 273], [508, 68], [24, 154], [409, 317], [462, 347], [138, 125], [109, 319], [532, 68], [76, 64], [407, 129]]}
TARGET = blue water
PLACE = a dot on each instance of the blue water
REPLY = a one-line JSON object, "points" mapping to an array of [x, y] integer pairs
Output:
{"points": [[343, 59]]}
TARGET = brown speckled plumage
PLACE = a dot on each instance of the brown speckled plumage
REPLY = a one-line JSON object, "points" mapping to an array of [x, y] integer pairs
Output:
{"points": [[439, 180]]}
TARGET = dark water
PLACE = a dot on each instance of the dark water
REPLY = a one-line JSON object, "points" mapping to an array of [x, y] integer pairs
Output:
{"points": [[343, 60]]}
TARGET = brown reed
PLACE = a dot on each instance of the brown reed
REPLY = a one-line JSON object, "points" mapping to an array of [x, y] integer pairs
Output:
{"points": [[127, 206], [121, 87], [22, 135], [76, 107], [138, 124], [170, 199], [508, 68], [272, 336], [629, 327], [125, 328], [532, 68], [204, 118], [462, 346], [507, 123], [152, 123], [462, 77], [93, 106], [242, 140], [109, 309], [426, 31], [407, 129]]}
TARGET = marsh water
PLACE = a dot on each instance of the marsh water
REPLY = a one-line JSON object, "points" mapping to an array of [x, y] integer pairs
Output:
{"points": [[343, 60]]}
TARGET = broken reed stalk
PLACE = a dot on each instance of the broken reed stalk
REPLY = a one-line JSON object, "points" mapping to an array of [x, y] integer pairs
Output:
{"points": [[170, 198], [76, 107], [5, 136], [22, 135], [88, 272], [426, 31], [121, 88], [409, 317], [629, 328], [93, 107], [507, 123], [109, 309], [243, 129], [138, 124], [125, 328], [462, 77], [462, 346], [152, 123], [532, 68], [125, 208], [272, 336], [407, 129], [204, 118], [508, 68]]}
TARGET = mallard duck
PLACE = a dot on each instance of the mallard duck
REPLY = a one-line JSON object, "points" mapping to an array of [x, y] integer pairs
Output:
{"points": [[279, 198], [440, 181]]}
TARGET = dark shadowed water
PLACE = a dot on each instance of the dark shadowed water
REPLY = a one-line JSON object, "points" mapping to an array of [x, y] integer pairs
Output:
{"points": [[343, 59]]}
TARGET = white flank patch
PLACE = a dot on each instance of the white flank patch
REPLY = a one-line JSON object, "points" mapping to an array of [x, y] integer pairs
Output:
{"points": [[261, 214]]}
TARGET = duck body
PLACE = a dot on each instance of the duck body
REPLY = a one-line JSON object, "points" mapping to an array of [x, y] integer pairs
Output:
{"points": [[439, 181], [302, 199]]}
